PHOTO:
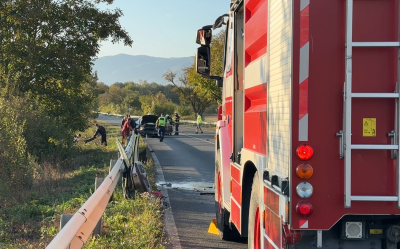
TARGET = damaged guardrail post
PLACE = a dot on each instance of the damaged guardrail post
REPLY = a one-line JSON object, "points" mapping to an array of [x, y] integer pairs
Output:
{"points": [[76, 229], [134, 177]]}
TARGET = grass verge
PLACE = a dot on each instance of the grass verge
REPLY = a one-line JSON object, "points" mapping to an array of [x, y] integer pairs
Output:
{"points": [[32, 220]]}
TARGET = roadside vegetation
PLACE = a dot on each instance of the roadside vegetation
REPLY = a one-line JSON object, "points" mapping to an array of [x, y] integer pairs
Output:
{"points": [[48, 93], [30, 218]]}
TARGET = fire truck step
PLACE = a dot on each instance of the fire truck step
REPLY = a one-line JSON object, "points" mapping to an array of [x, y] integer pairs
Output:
{"points": [[374, 198], [375, 146], [376, 44], [375, 95]]}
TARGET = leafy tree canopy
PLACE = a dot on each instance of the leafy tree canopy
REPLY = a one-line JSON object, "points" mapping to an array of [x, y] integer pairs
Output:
{"points": [[48, 47], [136, 98]]}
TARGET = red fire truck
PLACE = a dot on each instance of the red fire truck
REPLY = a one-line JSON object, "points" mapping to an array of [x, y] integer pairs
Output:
{"points": [[307, 145]]}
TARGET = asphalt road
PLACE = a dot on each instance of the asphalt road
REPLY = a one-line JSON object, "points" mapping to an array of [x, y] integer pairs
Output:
{"points": [[185, 175]]}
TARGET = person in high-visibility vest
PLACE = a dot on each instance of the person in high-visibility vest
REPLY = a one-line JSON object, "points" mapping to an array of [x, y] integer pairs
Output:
{"points": [[199, 121], [160, 125]]}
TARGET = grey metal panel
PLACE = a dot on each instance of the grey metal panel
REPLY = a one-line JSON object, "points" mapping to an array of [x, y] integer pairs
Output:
{"points": [[303, 4], [303, 128], [304, 64]]}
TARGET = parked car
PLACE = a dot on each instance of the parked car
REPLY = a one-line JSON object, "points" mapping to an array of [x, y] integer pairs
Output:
{"points": [[147, 125]]}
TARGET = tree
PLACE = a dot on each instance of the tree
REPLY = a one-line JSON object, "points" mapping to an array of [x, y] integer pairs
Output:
{"points": [[188, 94], [157, 104], [195, 90], [48, 47]]}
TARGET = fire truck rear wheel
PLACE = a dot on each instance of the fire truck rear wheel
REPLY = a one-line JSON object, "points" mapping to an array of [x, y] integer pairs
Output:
{"points": [[254, 238]]}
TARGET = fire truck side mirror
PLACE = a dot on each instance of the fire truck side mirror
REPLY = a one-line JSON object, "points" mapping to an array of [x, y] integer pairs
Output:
{"points": [[204, 36], [219, 22], [203, 61]]}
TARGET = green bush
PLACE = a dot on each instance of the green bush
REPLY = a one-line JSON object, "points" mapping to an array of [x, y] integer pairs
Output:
{"points": [[16, 165], [184, 111], [166, 108], [213, 109], [111, 108], [28, 137]]}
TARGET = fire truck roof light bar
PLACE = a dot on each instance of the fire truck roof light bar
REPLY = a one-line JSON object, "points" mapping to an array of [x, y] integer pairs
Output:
{"points": [[376, 44], [374, 198], [375, 146], [375, 95]]}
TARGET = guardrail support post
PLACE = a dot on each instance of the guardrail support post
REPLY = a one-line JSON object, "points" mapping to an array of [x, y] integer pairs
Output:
{"points": [[64, 220], [97, 230]]}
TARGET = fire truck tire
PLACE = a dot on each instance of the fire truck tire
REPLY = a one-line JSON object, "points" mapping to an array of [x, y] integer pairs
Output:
{"points": [[225, 232], [254, 221]]}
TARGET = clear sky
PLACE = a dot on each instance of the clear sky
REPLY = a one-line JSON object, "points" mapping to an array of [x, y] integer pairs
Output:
{"points": [[163, 28]]}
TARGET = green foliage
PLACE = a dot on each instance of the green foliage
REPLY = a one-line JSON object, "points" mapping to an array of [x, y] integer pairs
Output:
{"points": [[47, 90], [47, 48], [16, 164], [184, 111], [33, 220], [131, 224], [217, 52], [188, 93], [141, 98], [211, 109], [157, 104]]}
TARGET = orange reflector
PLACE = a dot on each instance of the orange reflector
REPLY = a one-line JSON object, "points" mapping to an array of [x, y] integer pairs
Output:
{"points": [[215, 137], [304, 171], [287, 211], [263, 218]]}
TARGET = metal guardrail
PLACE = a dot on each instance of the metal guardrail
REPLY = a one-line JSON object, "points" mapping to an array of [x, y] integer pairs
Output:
{"points": [[181, 121], [194, 122], [78, 229]]}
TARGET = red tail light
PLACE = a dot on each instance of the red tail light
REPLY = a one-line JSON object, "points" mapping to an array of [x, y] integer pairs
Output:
{"points": [[304, 208], [304, 152]]}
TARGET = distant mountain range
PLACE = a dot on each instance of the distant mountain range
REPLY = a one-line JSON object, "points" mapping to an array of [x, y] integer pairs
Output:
{"points": [[124, 67]]}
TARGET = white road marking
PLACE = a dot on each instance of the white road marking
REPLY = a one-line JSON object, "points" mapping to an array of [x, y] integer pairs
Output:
{"points": [[170, 226], [207, 141], [200, 139]]}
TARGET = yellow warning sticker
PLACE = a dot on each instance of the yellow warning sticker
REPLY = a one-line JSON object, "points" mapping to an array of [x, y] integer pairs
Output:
{"points": [[375, 231], [369, 127]]}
